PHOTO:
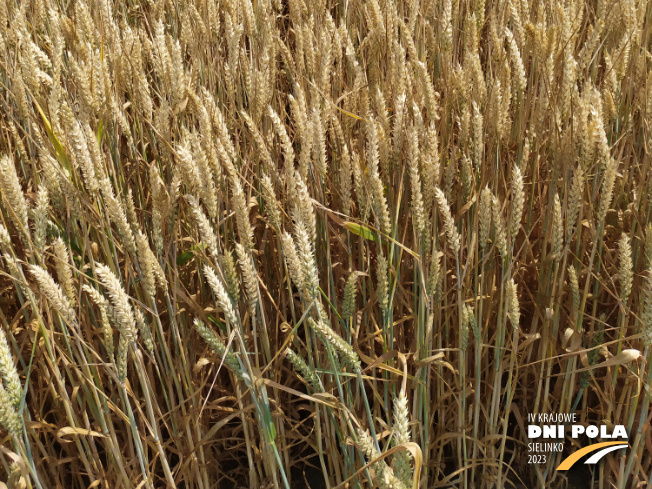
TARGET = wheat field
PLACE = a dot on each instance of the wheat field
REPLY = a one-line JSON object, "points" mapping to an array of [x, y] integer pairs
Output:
{"points": [[321, 243]]}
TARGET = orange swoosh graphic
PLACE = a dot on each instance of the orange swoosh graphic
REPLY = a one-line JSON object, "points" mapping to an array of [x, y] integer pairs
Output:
{"points": [[571, 459]]}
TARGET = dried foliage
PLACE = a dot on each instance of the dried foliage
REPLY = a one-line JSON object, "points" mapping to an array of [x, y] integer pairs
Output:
{"points": [[263, 242]]}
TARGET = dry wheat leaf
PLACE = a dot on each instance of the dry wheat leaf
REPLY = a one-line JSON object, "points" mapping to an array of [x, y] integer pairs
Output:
{"points": [[75, 431]]}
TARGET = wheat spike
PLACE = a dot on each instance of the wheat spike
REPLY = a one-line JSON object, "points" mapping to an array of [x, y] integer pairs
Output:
{"points": [[8, 416], [13, 194], [575, 198], [249, 276], [513, 307], [53, 292], [499, 227], [8, 371], [648, 245], [402, 459], [484, 216], [348, 304], [646, 316], [607, 191], [626, 272], [63, 268], [518, 201], [418, 208], [222, 296], [40, 214], [384, 474], [119, 300], [304, 369], [330, 337], [575, 287], [449, 224], [205, 228], [557, 239]]}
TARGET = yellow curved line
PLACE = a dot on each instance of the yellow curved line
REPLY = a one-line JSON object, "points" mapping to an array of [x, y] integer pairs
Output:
{"points": [[571, 459]]}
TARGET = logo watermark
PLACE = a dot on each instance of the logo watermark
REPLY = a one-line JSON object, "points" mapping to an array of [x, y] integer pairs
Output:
{"points": [[548, 432]]}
